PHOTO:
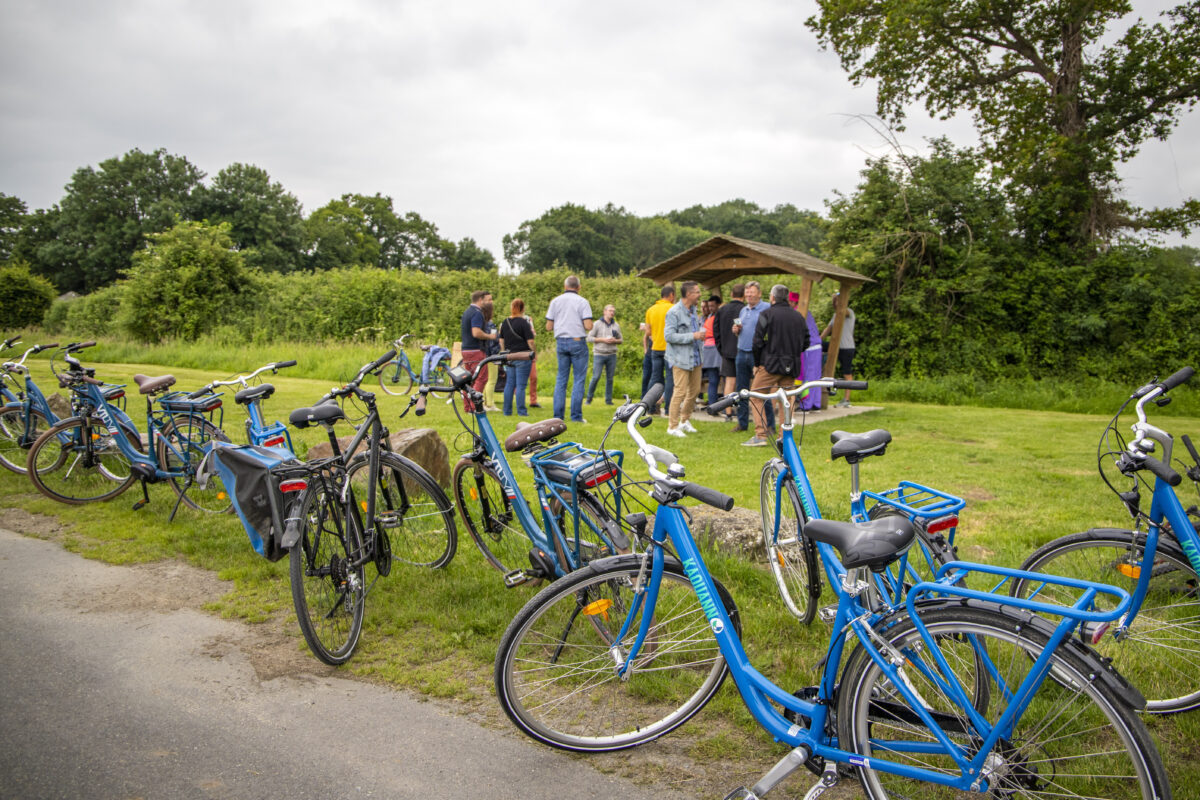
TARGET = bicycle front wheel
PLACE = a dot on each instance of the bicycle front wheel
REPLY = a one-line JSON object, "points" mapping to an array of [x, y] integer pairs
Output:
{"points": [[327, 591], [15, 439], [414, 520], [440, 375], [791, 554], [490, 517], [1160, 652], [555, 673], [79, 461], [1076, 737], [395, 380], [180, 450]]}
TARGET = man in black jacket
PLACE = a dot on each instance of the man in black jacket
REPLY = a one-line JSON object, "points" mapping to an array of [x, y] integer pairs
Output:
{"points": [[779, 340], [726, 340]]}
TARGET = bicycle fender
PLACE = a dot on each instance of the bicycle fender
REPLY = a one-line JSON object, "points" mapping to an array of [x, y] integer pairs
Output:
{"points": [[1098, 667]]}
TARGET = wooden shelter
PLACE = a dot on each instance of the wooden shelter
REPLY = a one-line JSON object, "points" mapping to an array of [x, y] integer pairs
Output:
{"points": [[722, 259]]}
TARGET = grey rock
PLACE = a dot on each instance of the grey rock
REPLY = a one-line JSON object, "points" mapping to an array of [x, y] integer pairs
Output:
{"points": [[422, 445]]}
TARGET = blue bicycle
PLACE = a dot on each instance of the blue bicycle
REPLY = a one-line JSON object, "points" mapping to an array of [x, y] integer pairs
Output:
{"points": [[578, 491], [97, 454], [397, 377], [943, 698], [788, 503], [251, 395], [1156, 644]]}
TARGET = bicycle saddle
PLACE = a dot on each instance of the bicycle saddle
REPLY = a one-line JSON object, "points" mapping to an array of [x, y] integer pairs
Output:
{"points": [[425, 348], [857, 446], [873, 544], [326, 413], [148, 385], [527, 434], [260, 392]]}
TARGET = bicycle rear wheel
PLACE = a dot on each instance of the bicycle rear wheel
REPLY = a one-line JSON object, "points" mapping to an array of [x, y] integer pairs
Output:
{"points": [[555, 674], [15, 441], [1160, 652], [440, 375], [490, 517], [597, 531], [791, 554], [1076, 738], [414, 520], [187, 439], [327, 591], [395, 380], [79, 461]]}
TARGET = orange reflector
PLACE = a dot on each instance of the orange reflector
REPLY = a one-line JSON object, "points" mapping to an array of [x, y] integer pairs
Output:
{"points": [[779, 558], [943, 524], [272, 442], [1130, 570], [598, 608], [363, 503], [474, 493], [222, 495], [297, 485]]}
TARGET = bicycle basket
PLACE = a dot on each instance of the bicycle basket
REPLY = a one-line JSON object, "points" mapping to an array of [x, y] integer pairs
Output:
{"points": [[246, 471]]}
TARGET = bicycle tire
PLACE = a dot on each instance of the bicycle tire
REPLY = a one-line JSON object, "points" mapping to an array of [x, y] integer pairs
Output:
{"points": [[1160, 651], [554, 668], [190, 439], [87, 467], [398, 384], [441, 375], [791, 555], [327, 592], [1076, 738], [489, 516], [415, 519], [595, 534], [14, 455]]}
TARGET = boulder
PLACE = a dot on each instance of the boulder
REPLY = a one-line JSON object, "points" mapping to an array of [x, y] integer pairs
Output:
{"points": [[60, 405], [738, 531], [422, 445]]}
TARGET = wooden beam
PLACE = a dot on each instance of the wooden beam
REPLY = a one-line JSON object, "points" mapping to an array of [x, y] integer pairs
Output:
{"points": [[697, 263], [721, 278], [805, 295]]}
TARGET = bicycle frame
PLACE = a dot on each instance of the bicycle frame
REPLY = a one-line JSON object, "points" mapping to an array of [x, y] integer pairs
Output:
{"points": [[117, 420]]}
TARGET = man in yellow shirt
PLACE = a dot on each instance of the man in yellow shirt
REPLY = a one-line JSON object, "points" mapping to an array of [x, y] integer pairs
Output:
{"points": [[654, 362]]}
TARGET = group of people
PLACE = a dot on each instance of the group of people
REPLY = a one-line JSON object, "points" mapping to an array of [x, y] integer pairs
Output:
{"points": [[747, 343]]}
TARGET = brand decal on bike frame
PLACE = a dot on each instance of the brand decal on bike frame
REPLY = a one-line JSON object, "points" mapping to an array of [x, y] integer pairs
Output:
{"points": [[706, 601], [507, 483]]}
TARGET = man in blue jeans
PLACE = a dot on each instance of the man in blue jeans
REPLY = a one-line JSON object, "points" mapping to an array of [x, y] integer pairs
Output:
{"points": [[744, 329], [569, 318], [605, 335]]}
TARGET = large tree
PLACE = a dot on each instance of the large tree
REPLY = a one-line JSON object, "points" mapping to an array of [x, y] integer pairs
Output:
{"points": [[12, 219], [1061, 92], [264, 218], [87, 241]]}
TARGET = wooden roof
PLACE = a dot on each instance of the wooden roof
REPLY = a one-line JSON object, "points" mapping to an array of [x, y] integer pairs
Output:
{"points": [[725, 258]]}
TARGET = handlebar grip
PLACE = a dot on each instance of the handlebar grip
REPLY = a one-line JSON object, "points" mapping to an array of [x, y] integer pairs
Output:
{"points": [[651, 398], [42, 347], [1160, 469], [524, 355], [723, 403], [283, 364], [1179, 377], [854, 386], [82, 345], [420, 411], [1187, 442], [379, 362], [203, 390], [709, 496]]}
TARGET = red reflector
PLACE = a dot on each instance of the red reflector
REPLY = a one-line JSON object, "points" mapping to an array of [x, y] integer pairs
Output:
{"points": [[599, 478], [114, 396], [273, 442], [293, 486], [943, 524]]}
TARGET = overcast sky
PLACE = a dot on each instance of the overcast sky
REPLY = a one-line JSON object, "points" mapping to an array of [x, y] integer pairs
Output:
{"points": [[477, 115]]}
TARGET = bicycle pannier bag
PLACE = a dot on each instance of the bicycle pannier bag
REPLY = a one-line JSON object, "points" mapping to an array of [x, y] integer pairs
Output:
{"points": [[254, 489]]}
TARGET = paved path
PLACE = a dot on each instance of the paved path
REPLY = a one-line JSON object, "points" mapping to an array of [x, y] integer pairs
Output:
{"points": [[108, 700]]}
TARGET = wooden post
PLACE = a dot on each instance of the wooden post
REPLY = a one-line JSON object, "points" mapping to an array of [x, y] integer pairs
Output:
{"points": [[805, 294], [835, 335]]}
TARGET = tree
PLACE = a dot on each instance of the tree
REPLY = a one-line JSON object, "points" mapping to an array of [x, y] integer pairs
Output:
{"points": [[469, 255], [25, 297], [404, 241], [338, 235], [12, 219], [185, 282], [1059, 98], [88, 240], [264, 219]]}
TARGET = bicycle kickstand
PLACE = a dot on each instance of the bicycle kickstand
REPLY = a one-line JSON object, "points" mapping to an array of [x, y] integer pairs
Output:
{"points": [[786, 766], [179, 500], [145, 501]]}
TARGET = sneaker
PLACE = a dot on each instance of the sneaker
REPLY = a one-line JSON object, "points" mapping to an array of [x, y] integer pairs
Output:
{"points": [[535, 405], [688, 427], [581, 421], [753, 441], [676, 432], [489, 407], [588, 401], [739, 429], [843, 403]]}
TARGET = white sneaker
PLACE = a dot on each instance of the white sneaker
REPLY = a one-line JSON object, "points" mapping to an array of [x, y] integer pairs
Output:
{"points": [[677, 432], [688, 427]]}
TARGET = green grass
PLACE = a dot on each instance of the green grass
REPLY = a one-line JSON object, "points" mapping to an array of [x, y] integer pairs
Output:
{"points": [[1028, 476]]}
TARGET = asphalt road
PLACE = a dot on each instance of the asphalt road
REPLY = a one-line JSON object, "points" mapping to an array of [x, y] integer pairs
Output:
{"points": [[114, 701]]}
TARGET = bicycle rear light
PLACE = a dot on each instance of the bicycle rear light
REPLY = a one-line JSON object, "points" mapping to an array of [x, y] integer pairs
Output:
{"points": [[293, 485], [600, 477], [273, 441], [943, 524]]}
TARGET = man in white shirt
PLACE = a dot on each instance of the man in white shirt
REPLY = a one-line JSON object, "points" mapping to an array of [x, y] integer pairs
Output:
{"points": [[569, 318]]}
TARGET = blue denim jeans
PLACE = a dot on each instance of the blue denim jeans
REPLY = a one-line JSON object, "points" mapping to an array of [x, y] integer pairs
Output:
{"points": [[572, 355], [661, 373], [745, 374], [607, 364], [518, 377], [714, 384]]}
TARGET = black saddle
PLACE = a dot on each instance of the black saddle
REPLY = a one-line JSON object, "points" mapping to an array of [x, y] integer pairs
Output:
{"points": [[527, 434], [249, 395], [326, 413], [873, 544], [857, 446]]}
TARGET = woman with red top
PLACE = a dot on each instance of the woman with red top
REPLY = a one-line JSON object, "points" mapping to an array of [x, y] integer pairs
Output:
{"points": [[710, 359]]}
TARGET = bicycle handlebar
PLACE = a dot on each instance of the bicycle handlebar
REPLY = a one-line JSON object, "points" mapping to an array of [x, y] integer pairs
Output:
{"points": [[1181, 376], [282, 364], [1163, 471], [824, 383]]}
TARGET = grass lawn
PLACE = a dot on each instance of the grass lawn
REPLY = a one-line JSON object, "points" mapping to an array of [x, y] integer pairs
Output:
{"points": [[1028, 477]]}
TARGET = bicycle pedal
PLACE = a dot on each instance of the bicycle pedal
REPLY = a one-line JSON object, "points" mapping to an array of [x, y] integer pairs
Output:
{"points": [[827, 613], [140, 504], [388, 519], [741, 793], [517, 577]]}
